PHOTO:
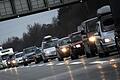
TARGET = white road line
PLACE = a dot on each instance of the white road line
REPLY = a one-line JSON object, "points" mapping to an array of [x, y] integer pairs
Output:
{"points": [[76, 63], [49, 64], [98, 62], [33, 65], [41, 65], [62, 63]]}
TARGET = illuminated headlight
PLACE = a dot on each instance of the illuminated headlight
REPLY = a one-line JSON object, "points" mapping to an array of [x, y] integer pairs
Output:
{"points": [[78, 45], [92, 39], [8, 62], [107, 40], [13, 61], [64, 50]]}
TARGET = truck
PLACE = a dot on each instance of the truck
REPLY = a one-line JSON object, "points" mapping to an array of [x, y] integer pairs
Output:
{"points": [[90, 36], [106, 30], [5, 54]]}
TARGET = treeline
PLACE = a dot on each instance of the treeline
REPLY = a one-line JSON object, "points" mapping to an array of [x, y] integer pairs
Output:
{"points": [[69, 17]]}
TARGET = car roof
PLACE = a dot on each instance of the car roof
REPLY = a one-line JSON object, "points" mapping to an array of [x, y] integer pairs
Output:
{"points": [[63, 38], [75, 33], [19, 53]]}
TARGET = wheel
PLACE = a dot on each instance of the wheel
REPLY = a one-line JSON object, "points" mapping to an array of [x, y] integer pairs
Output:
{"points": [[25, 64], [107, 54], [37, 60], [88, 55], [45, 60], [74, 56], [60, 59], [101, 55]]}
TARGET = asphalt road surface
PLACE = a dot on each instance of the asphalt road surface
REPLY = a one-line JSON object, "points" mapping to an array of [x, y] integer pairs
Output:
{"points": [[80, 69]]}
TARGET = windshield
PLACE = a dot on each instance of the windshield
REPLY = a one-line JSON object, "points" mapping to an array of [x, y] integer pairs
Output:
{"points": [[29, 50], [64, 42], [76, 37], [108, 25], [5, 57], [38, 51], [19, 55], [49, 44], [91, 26]]}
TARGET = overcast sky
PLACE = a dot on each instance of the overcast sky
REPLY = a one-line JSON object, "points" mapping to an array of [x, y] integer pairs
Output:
{"points": [[16, 27]]}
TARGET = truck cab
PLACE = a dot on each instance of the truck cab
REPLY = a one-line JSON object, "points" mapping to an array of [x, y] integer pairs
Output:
{"points": [[5, 54], [90, 36], [106, 30]]}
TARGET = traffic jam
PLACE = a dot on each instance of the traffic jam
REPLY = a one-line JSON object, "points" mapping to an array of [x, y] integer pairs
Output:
{"points": [[87, 42]]}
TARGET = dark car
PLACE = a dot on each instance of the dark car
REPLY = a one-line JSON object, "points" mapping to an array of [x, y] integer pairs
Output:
{"points": [[32, 54], [38, 55], [63, 48], [77, 45], [11, 62]]}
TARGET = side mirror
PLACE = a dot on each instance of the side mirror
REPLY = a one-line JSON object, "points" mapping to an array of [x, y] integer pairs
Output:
{"points": [[96, 34]]}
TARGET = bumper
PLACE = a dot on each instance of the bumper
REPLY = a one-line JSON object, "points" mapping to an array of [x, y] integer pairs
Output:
{"points": [[51, 57], [110, 47]]}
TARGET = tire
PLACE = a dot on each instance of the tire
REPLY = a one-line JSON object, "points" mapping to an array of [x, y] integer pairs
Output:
{"points": [[45, 61], [74, 56], [101, 55], [107, 54], [88, 55], [25, 64], [60, 59]]}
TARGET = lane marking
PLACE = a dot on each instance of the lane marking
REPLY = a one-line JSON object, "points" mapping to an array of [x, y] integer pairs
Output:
{"points": [[41, 65], [49, 64], [98, 62], [76, 63], [62, 63]]}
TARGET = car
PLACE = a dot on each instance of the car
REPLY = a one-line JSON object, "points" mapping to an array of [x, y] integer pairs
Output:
{"points": [[38, 55], [49, 49], [19, 57], [31, 54], [2, 66], [11, 62], [77, 45], [63, 48]]}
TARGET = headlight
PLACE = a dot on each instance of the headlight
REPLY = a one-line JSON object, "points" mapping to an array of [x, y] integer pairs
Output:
{"points": [[8, 62], [92, 39], [64, 49], [47, 52], [107, 40], [78, 45], [13, 61]]}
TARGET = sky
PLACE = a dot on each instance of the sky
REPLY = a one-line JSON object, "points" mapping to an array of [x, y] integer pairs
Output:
{"points": [[16, 27]]}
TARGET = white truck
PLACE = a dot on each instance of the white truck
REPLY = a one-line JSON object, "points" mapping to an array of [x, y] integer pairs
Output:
{"points": [[5, 53], [106, 31]]}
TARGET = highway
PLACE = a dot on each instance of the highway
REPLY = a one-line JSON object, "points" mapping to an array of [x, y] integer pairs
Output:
{"points": [[80, 69]]}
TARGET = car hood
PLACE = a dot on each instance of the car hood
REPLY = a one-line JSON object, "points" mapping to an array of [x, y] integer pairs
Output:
{"points": [[20, 58], [52, 49], [28, 54], [109, 35]]}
